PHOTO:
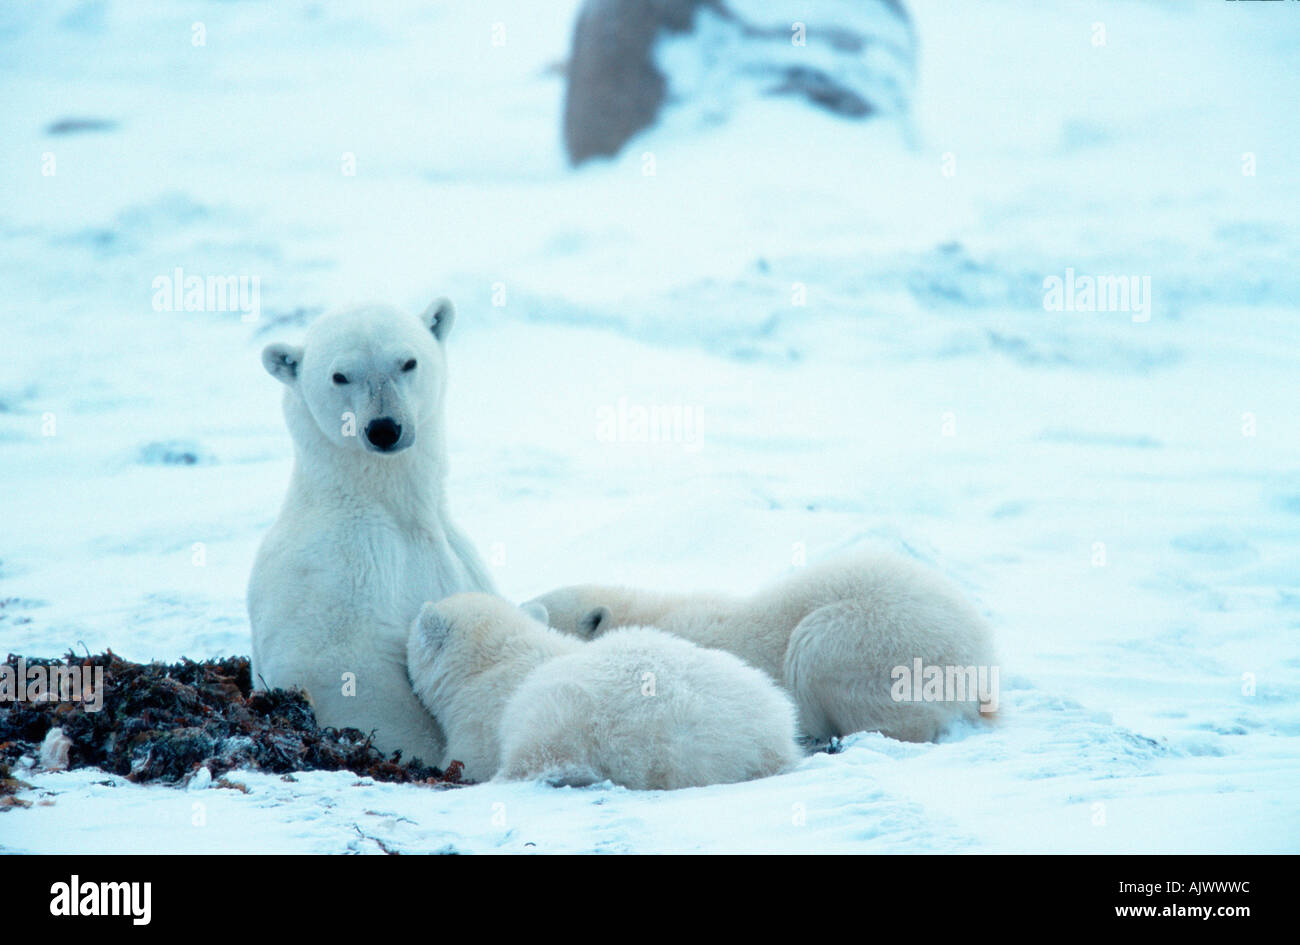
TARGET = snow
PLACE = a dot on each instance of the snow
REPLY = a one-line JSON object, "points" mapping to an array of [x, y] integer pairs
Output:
{"points": [[1150, 703]]}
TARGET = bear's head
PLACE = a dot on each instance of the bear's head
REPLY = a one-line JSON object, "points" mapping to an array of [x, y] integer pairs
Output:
{"points": [[582, 610], [368, 377], [455, 639]]}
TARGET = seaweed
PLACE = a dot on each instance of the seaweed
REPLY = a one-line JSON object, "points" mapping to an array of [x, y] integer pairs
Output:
{"points": [[161, 722]]}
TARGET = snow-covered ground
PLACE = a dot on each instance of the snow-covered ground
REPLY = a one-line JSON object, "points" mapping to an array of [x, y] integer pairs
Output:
{"points": [[1121, 496]]}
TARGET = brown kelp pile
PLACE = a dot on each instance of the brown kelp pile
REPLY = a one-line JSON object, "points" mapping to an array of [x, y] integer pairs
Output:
{"points": [[162, 722]]}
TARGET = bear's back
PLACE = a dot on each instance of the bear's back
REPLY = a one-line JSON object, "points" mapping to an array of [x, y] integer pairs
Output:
{"points": [[648, 711]]}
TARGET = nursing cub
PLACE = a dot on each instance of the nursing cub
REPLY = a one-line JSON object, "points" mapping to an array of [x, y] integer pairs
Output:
{"points": [[834, 635], [637, 707]]}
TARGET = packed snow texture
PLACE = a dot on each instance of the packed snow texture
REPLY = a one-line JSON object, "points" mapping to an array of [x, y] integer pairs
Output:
{"points": [[1120, 496]]}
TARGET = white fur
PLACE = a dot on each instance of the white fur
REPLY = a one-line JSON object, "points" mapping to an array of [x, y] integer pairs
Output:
{"points": [[832, 634], [363, 537], [637, 707]]}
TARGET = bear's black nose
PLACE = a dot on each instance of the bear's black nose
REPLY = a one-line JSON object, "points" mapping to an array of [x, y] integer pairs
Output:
{"points": [[384, 433]]}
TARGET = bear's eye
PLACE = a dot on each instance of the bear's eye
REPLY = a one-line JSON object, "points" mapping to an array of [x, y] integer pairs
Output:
{"points": [[340, 379], [409, 365]]}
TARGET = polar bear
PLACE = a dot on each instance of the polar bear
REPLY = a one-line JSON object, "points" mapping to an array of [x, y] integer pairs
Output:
{"points": [[637, 707], [858, 641], [363, 537]]}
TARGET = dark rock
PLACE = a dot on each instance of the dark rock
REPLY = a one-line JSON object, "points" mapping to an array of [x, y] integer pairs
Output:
{"points": [[173, 453], [616, 89], [820, 89], [74, 126]]}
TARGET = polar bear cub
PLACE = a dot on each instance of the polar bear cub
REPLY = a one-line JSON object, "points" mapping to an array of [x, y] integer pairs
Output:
{"points": [[636, 707], [846, 638], [363, 537]]}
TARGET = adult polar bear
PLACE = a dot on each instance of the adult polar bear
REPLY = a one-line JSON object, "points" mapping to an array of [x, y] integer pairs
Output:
{"points": [[363, 538]]}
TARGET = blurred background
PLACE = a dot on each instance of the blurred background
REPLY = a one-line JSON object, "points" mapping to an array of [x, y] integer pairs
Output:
{"points": [[740, 285]]}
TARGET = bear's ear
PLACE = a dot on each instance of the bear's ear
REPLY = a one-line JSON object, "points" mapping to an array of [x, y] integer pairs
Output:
{"points": [[439, 317], [431, 627], [591, 624], [537, 610], [281, 361]]}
